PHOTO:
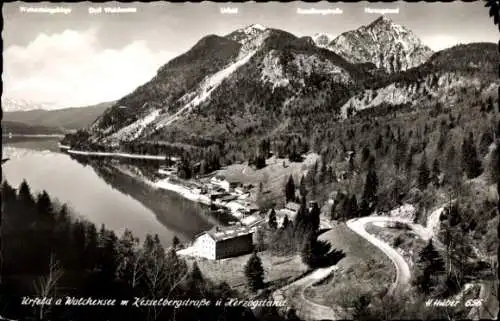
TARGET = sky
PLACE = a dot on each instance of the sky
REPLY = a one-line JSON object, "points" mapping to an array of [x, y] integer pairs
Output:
{"points": [[78, 58]]}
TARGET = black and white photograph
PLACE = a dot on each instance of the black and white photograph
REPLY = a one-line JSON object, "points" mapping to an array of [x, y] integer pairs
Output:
{"points": [[250, 161]]}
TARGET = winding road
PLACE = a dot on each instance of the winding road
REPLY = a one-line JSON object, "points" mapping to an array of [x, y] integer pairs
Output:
{"points": [[305, 308], [309, 310], [403, 274]]}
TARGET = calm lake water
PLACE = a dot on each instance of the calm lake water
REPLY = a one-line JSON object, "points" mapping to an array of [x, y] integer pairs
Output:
{"points": [[101, 193]]}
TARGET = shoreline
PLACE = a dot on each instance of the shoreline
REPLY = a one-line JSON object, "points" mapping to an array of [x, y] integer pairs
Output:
{"points": [[165, 183], [32, 135], [110, 154], [182, 190]]}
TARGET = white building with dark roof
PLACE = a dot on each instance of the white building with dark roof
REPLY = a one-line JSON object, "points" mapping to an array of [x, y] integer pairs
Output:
{"points": [[219, 243]]}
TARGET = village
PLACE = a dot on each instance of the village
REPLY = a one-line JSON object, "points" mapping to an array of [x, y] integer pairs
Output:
{"points": [[224, 196]]}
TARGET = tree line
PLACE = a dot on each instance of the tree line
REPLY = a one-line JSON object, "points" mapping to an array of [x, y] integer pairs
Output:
{"points": [[48, 252]]}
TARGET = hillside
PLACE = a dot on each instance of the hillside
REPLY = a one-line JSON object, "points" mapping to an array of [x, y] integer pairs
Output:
{"points": [[67, 118], [15, 128], [226, 95]]}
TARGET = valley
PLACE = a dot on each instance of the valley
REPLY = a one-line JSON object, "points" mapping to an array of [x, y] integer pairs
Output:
{"points": [[380, 128], [352, 175]]}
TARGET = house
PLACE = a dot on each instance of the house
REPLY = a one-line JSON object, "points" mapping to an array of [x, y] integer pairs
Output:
{"points": [[292, 207], [224, 242], [220, 181]]}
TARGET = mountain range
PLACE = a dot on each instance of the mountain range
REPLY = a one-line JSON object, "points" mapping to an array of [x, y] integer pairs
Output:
{"points": [[55, 120], [261, 82]]}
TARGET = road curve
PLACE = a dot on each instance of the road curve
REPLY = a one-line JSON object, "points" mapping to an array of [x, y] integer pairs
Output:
{"points": [[402, 269], [305, 308]]}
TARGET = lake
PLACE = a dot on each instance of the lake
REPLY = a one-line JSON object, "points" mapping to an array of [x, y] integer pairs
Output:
{"points": [[101, 193]]}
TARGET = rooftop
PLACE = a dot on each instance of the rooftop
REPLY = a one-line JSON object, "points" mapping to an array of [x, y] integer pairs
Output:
{"points": [[224, 233], [292, 206]]}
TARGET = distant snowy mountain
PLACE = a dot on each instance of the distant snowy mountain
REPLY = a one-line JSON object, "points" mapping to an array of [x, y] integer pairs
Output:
{"points": [[67, 118], [10, 104], [387, 45], [322, 39]]}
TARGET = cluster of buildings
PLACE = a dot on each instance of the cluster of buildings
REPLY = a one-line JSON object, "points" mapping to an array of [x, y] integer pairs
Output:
{"points": [[223, 242], [238, 238]]}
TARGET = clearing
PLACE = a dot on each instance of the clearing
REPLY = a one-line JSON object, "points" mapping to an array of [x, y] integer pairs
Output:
{"points": [[364, 269], [273, 176], [277, 270]]}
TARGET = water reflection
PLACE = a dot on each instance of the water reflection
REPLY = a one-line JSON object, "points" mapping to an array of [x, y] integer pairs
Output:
{"points": [[102, 194]]}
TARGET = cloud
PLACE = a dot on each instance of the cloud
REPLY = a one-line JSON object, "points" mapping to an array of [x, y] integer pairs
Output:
{"points": [[440, 42], [72, 69]]}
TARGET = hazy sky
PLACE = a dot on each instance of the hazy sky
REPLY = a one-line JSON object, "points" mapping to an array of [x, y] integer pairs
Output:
{"points": [[78, 58]]}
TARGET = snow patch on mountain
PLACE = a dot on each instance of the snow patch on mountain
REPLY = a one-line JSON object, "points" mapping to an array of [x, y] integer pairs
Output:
{"points": [[12, 104], [134, 130], [252, 43], [207, 86], [272, 70], [254, 27], [250, 38]]}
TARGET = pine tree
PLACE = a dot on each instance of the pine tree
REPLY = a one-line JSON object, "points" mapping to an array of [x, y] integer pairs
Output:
{"points": [[286, 222], [351, 210], [302, 186], [453, 172], [290, 190], [430, 265], [314, 216], [431, 258], [254, 272], [371, 186], [195, 282], [272, 222], [423, 174], [25, 195], [301, 218], [307, 251], [470, 162], [176, 242], [435, 173]]}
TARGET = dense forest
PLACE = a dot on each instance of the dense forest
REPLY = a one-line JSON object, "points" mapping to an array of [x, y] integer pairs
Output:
{"points": [[48, 252]]}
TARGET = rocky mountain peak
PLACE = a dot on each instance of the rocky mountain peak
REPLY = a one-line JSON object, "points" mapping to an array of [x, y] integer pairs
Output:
{"points": [[384, 43], [249, 32], [322, 39]]}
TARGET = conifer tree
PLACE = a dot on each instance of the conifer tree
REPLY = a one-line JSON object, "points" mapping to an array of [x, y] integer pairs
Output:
{"points": [[272, 222], [314, 216], [290, 190], [371, 186], [175, 242], [351, 208], [302, 186], [254, 272], [195, 282], [307, 251], [470, 162], [431, 265], [423, 174], [436, 171], [286, 222]]}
